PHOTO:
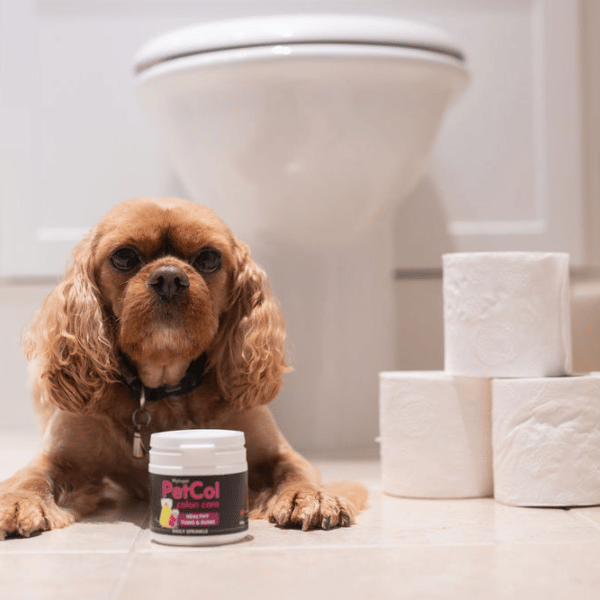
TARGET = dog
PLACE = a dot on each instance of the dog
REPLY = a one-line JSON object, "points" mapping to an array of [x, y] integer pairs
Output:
{"points": [[160, 297]]}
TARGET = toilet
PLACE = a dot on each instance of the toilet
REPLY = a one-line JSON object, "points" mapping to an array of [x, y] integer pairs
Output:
{"points": [[304, 133]]}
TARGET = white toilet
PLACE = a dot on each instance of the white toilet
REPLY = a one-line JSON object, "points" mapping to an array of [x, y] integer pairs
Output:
{"points": [[304, 132]]}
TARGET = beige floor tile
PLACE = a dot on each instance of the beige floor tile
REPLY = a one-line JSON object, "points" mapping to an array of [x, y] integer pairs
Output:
{"points": [[61, 576], [399, 548], [493, 572], [473, 521], [114, 530], [393, 522], [367, 472]]}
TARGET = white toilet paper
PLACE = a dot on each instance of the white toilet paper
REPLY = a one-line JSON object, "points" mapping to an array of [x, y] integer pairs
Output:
{"points": [[435, 435], [546, 441], [507, 314]]}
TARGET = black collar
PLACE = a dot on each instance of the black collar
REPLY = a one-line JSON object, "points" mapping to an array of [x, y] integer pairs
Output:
{"points": [[192, 379]]}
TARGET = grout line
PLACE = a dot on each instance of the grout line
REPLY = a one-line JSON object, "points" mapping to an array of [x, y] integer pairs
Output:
{"points": [[580, 515], [54, 552], [115, 591], [175, 550]]}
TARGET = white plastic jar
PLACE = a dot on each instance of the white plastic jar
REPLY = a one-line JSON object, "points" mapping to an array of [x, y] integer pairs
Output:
{"points": [[198, 487]]}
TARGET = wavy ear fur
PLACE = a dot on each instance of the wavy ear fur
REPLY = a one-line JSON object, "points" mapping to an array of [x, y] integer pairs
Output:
{"points": [[248, 355], [71, 340]]}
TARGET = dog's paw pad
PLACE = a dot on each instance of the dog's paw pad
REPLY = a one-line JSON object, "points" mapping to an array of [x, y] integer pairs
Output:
{"points": [[26, 513]]}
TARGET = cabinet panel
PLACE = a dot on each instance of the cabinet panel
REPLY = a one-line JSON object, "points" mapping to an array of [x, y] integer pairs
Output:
{"points": [[507, 171]]}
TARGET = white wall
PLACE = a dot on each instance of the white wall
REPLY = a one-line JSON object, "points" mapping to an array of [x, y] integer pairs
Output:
{"points": [[72, 145], [18, 303]]}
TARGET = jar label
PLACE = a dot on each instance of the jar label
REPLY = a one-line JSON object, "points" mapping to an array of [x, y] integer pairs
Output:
{"points": [[199, 505]]}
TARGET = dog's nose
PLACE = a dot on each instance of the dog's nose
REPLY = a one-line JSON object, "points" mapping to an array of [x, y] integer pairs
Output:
{"points": [[168, 281]]}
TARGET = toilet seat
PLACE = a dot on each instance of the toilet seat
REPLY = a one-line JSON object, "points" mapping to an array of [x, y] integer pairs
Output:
{"points": [[256, 32]]}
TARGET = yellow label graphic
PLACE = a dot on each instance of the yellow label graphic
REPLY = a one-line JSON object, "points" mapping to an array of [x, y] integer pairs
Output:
{"points": [[165, 515]]}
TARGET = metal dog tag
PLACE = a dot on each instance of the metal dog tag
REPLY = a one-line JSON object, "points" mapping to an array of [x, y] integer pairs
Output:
{"points": [[141, 419], [138, 448]]}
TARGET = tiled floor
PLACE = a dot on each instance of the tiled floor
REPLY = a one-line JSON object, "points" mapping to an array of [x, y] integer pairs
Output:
{"points": [[399, 548]]}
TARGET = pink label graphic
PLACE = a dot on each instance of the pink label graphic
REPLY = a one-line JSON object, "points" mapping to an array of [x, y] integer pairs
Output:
{"points": [[198, 519], [196, 490]]}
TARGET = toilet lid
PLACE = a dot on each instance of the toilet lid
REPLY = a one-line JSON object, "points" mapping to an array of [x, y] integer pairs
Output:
{"points": [[293, 29]]}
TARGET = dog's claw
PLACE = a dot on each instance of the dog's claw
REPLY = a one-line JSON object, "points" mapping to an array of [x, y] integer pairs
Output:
{"points": [[326, 523], [306, 522]]}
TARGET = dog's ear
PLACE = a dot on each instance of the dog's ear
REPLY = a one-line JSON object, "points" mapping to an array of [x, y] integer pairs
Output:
{"points": [[70, 338], [248, 354]]}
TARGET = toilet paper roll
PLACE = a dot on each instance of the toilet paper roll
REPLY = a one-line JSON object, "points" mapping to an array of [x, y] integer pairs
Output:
{"points": [[546, 441], [435, 435], [507, 314]]}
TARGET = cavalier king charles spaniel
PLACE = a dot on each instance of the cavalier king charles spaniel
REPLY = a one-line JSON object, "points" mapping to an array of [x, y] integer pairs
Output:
{"points": [[162, 298]]}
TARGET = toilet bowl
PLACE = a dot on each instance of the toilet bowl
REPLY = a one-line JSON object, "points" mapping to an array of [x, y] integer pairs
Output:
{"points": [[304, 132]]}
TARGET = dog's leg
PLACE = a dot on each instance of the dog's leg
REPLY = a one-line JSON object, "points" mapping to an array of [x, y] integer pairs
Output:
{"points": [[297, 498], [284, 487], [53, 491], [28, 501]]}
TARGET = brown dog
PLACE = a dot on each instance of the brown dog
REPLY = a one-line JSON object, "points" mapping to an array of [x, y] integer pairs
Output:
{"points": [[160, 294]]}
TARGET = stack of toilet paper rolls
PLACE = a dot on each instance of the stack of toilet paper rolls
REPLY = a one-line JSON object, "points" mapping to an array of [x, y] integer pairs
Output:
{"points": [[506, 416]]}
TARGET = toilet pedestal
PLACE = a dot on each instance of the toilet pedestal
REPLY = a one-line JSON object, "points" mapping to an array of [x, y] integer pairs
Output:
{"points": [[337, 302]]}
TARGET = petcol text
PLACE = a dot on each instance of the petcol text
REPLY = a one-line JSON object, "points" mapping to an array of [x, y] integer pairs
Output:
{"points": [[195, 490]]}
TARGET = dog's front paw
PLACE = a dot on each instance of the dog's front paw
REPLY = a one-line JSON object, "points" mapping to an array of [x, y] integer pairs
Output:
{"points": [[310, 509], [24, 512]]}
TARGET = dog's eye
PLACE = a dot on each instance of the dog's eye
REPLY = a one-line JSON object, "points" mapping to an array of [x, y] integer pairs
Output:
{"points": [[125, 259], [207, 261]]}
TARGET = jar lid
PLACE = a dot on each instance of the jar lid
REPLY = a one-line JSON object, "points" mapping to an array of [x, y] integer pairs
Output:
{"points": [[197, 447], [190, 438]]}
